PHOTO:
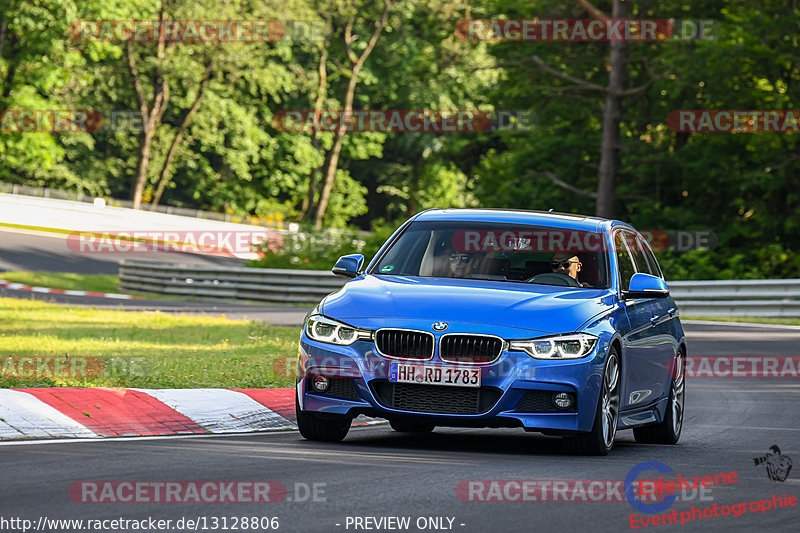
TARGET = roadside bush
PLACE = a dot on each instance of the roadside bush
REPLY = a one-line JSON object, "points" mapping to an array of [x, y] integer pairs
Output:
{"points": [[771, 261], [320, 250]]}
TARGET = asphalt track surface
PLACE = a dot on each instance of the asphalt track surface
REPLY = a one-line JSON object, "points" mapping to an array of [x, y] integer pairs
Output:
{"points": [[37, 251], [376, 472]]}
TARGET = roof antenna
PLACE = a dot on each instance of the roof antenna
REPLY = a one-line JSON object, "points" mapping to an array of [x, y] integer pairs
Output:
{"points": [[550, 210]]}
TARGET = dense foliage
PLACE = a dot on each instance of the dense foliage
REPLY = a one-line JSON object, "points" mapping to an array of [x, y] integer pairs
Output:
{"points": [[212, 143]]}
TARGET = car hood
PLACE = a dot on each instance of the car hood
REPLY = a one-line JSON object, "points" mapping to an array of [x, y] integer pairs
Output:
{"points": [[379, 301]]}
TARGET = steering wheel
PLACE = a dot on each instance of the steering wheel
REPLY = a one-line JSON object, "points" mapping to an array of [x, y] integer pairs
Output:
{"points": [[554, 278]]}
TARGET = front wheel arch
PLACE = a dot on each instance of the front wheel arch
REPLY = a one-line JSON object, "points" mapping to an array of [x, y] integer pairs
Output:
{"points": [[596, 441]]}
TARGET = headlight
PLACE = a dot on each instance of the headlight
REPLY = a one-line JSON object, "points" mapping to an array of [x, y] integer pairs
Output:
{"points": [[572, 346], [324, 329]]}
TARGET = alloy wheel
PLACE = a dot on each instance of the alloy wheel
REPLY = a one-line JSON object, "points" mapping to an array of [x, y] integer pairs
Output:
{"points": [[610, 400]]}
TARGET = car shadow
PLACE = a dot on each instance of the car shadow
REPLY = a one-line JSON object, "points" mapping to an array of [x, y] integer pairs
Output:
{"points": [[480, 441]]}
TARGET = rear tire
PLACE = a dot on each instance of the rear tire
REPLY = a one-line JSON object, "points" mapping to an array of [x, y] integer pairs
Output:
{"points": [[668, 431], [322, 429], [405, 426], [600, 439]]}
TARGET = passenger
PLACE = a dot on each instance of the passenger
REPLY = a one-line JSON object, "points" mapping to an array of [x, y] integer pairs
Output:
{"points": [[460, 265]]}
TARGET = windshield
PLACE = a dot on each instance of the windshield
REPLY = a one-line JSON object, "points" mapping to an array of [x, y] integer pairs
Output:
{"points": [[498, 252]]}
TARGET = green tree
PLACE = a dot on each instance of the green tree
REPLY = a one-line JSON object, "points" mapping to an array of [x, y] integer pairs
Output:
{"points": [[37, 73]]}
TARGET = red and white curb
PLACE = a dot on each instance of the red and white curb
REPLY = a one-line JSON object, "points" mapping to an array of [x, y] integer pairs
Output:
{"points": [[46, 290], [71, 412]]}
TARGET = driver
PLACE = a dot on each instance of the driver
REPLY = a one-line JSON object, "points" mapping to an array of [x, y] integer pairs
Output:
{"points": [[566, 263]]}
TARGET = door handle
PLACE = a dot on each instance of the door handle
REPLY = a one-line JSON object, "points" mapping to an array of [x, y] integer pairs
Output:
{"points": [[671, 311], [654, 320]]}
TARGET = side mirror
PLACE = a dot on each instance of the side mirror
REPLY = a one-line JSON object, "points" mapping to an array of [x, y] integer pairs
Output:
{"points": [[348, 266], [646, 286]]}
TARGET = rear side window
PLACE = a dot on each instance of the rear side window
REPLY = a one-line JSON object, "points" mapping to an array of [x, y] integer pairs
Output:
{"points": [[654, 269], [636, 248], [624, 262]]}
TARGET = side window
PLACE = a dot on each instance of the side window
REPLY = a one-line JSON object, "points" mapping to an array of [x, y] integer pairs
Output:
{"points": [[636, 248], [624, 263], [651, 259]]}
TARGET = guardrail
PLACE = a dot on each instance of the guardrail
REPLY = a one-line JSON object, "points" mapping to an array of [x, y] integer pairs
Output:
{"points": [[762, 298], [751, 297]]}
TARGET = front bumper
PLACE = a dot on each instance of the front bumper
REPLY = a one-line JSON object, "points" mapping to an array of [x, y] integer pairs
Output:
{"points": [[516, 390]]}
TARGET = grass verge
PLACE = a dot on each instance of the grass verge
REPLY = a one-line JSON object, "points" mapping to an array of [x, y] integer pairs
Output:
{"points": [[753, 319], [49, 345]]}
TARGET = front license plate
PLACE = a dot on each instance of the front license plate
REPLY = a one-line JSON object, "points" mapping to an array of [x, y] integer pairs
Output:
{"points": [[456, 376]]}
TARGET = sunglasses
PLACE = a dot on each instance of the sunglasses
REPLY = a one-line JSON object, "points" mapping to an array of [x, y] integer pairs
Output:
{"points": [[563, 264], [460, 258]]}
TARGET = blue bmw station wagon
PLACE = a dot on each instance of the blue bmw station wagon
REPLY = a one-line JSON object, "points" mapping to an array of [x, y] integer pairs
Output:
{"points": [[555, 323]]}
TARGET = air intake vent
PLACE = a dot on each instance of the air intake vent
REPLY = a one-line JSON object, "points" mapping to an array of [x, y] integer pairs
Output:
{"points": [[338, 388], [436, 398], [405, 344], [470, 349]]}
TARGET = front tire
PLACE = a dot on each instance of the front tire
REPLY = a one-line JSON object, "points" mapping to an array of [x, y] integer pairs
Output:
{"points": [[322, 429], [600, 439], [668, 431]]}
